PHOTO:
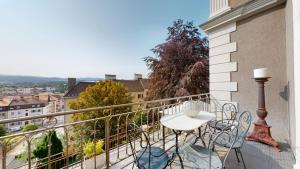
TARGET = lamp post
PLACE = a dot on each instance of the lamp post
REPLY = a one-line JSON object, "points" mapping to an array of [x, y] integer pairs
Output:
{"points": [[261, 131]]}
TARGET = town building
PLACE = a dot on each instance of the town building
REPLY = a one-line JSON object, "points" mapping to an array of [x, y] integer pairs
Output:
{"points": [[248, 34], [55, 101], [22, 107]]}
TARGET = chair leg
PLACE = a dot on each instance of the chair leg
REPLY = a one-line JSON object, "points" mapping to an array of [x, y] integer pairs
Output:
{"points": [[237, 156], [242, 158]]}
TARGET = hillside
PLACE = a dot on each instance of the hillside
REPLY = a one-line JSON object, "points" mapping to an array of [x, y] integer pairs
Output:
{"points": [[9, 79]]}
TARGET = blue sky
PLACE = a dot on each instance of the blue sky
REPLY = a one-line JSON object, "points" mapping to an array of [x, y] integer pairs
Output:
{"points": [[87, 38]]}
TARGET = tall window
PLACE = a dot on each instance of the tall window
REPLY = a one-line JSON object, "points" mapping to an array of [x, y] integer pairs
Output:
{"points": [[140, 96]]}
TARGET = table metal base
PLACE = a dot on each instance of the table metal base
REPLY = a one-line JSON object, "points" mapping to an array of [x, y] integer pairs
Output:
{"points": [[176, 153]]}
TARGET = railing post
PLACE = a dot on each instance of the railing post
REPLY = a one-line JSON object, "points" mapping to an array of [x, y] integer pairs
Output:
{"points": [[49, 149], [95, 144], [81, 148], [67, 146], [164, 138], [29, 152], [107, 118], [3, 151]]}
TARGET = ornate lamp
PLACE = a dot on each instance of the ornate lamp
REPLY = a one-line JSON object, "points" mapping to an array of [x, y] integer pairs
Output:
{"points": [[261, 132]]}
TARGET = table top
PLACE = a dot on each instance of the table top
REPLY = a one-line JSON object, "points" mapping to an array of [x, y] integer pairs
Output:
{"points": [[182, 122]]}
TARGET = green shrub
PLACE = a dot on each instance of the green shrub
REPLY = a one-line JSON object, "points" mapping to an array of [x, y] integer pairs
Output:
{"points": [[30, 127], [23, 156], [41, 150], [140, 118], [2, 131], [89, 148]]}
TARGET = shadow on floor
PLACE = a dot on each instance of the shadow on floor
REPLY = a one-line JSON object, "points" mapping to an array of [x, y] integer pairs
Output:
{"points": [[261, 156]]}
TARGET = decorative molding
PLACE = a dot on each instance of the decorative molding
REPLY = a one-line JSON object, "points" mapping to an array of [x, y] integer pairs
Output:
{"points": [[241, 12], [224, 86], [221, 31], [219, 77], [221, 95], [227, 48], [221, 40], [224, 58], [222, 68]]}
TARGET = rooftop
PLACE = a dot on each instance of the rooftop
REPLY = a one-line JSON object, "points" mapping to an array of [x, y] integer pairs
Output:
{"points": [[132, 85]]}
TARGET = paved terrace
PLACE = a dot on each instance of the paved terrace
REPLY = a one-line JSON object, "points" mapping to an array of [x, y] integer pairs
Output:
{"points": [[256, 156]]}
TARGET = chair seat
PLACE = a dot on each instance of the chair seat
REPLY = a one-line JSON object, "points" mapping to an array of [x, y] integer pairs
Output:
{"points": [[199, 156], [238, 143], [158, 159], [218, 125]]}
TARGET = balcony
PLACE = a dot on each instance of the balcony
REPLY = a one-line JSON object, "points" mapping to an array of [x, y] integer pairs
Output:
{"points": [[112, 130]]}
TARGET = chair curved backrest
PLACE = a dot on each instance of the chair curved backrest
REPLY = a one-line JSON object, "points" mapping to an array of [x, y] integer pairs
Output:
{"points": [[135, 133], [229, 111], [244, 122], [224, 139]]}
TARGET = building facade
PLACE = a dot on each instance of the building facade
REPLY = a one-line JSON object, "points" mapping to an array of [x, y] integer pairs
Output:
{"points": [[22, 107], [248, 34]]}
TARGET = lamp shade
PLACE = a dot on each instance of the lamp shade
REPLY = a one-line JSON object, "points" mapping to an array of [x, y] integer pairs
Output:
{"points": [[260, 73]]}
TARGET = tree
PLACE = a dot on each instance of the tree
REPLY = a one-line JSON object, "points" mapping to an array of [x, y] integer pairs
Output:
{"points": [[2, 131], [180, 65], [104, 93], [30, 127], [41, 150]]}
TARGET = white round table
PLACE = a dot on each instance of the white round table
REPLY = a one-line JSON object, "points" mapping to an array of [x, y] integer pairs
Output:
{"points": [[179, 122], [182, 122]]}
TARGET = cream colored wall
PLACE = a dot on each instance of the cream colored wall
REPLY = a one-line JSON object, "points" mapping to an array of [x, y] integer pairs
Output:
{"points": [[290, 70], [68, 118], [135, 96], [296, 53], [261, 43]]}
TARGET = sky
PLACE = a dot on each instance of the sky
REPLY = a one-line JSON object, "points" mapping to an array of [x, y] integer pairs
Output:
{"points": [[87, 38]]}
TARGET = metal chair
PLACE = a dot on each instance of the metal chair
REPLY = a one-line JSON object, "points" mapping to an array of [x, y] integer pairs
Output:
{"points": [[145, 157], [211, 157], [229, 114], [244, 122]]}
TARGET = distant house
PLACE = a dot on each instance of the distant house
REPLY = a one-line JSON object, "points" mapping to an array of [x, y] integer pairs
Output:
{"points": [[248, 34], [55, 101], [22, 107], [138, 88]]}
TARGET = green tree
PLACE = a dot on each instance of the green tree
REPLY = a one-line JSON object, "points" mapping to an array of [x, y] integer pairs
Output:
{"points": [[2, 131], [89, 148], [180, 65], [41, 150], [104, 93], [30, 127], [140, 117]]}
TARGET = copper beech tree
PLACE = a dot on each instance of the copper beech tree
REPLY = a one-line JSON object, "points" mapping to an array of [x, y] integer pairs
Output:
{"points": [[180, 65]]}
